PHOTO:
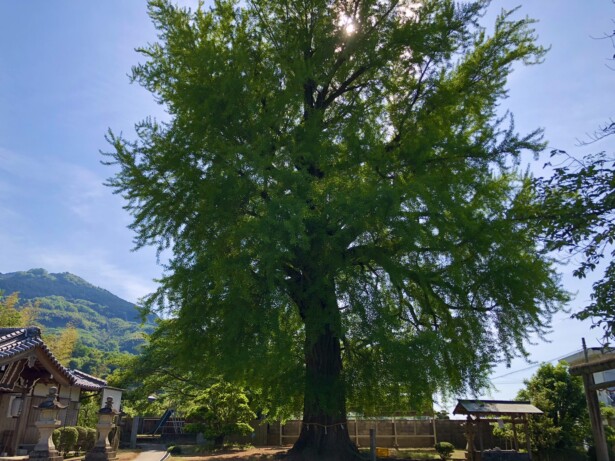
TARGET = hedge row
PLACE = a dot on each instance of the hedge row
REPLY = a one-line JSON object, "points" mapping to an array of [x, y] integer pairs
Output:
{"points": [[74, 438]]}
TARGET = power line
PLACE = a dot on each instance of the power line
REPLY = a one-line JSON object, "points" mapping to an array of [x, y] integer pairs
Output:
{"points": [[536, 365]]}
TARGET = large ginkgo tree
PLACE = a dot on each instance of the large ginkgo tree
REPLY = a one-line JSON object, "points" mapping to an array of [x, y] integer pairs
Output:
{"points": [[337, 187]]}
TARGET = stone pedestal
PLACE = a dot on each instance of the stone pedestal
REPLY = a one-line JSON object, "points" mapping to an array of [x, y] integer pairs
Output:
{"points": [[45, 450], [101, 454], [103, 451]]}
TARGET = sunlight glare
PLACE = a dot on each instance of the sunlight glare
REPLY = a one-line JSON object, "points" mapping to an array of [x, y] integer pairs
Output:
{"points": [[347, 24]]}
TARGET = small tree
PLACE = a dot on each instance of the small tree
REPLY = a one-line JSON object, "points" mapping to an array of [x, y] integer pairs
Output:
{"points": [[63, 344], [223, 410], [445, 450], [564, 424], [14, 315], [88, 412]]}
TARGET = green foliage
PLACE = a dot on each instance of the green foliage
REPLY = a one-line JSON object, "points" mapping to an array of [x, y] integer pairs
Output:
{"points": [[608, 414], [82, 435], [85, 441], [344, 211], [103, 321], [157, 371], [194, 428], [88, 412], [560, 396], [55, 437], [175, 450], [102, 333], [96, 362], [65, 439], [445, 450], [222, 409], [38, 283], [74, 438], [215, 408], [504, 431], [12, 316], [91, 439], [578, 210], [63, 344], [96, 330]]}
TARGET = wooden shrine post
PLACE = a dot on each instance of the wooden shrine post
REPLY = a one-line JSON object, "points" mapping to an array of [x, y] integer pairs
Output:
{"points": [[586, 371], [595, 419]]}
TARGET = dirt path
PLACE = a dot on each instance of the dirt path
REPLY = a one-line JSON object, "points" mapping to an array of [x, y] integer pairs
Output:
{"points": [[252, 454]]}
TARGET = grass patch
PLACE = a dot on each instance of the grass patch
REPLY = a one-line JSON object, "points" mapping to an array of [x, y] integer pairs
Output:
{"points": [[127, 455], [417, 454], [232, 454]]}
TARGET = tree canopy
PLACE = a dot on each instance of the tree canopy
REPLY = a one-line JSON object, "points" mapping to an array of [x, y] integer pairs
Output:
{"points": [[339, 193], [578, 209]]}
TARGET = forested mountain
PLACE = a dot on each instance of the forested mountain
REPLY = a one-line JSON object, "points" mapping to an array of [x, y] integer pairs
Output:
{"points": [[104, 321], [38, 283]]}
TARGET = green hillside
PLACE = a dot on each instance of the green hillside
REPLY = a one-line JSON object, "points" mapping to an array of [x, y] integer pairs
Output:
{"points": [[38, 283], [104, 321]]}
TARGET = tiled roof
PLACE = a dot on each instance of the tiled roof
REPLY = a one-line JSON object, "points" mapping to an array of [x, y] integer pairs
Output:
{"points": [[83, 379], [494, 407], [16, 341]]}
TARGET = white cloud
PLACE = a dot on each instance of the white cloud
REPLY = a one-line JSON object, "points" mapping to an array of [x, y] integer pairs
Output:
{"points": [[59, 216], [84, 192]]}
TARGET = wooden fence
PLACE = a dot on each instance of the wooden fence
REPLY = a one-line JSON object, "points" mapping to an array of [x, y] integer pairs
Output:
{"points": [[394, 432], [390, 432]]}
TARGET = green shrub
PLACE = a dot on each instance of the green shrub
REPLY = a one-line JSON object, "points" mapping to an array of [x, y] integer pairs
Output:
{"points": [[66, 439], [223, 409], [81, 438], [444, 449], [194, 428], [176, 450], [55, 437], [90, 439]]}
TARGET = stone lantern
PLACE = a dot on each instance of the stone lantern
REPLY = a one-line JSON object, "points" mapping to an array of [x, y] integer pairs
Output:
{"points": [[103, 451], [45, 449]]}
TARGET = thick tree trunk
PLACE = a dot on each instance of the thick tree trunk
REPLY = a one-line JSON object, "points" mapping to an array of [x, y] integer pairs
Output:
{"points": [[219, 441], [324, 433]]}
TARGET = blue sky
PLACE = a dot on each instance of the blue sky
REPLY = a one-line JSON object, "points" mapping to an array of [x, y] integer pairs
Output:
{"points": [[63, 83]]}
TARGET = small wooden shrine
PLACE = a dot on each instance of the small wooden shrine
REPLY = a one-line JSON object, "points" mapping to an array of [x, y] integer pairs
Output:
{"points": [[481, 412]]}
